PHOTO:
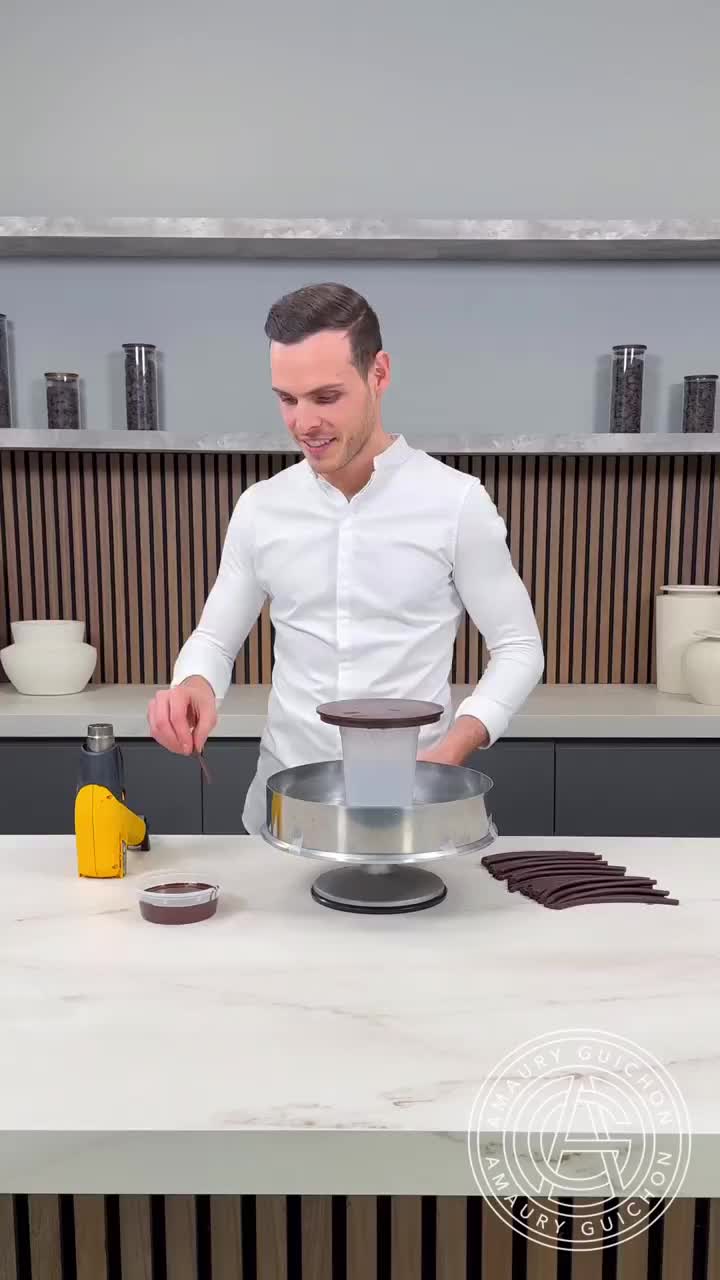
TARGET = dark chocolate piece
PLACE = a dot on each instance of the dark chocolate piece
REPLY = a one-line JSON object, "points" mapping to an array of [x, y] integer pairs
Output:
{"points": [[566, 863], [621, 885], [604, 898], [547, 886], [517, 879], [380, 713], [492, 861]]}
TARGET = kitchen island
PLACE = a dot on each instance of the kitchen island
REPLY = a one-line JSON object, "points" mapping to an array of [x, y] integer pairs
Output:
{"points": [[284, 1050], [285, 1046]]}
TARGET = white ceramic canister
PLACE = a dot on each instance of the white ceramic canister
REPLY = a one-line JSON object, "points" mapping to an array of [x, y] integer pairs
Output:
{"points": [[701, 663], [679, 612]]}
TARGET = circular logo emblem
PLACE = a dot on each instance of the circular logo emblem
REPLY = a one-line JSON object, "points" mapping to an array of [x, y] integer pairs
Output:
{"points": [[570, 1120]]}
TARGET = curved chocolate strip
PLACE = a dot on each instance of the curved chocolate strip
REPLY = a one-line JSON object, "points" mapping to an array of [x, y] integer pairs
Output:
{"points": [[648, 898], [494, 859], [587, 886], [566, 888], [500, 863], [516, 879], [562, 884], [601, 893], [539, 864]]}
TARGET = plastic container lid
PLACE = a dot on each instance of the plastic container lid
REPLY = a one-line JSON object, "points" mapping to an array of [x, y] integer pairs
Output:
{"points": [[177, 894], [176, 897]]}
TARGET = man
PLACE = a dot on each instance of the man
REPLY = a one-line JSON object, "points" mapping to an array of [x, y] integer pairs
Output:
{"points": [[368, 550]]}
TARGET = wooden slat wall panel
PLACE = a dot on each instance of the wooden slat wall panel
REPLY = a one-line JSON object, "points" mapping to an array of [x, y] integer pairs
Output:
{"points": [[316, 1238], [136, 1238], [632, 1258], [181, 1238], [132, 543], [450, 1249], [90, 1238], [226, 1234], [271, 1227], [714, 1242], [678, 1232], [406, 1238], [7, 1239], [586, 1265], [361, 1238], [497, 1246], [146, 1250], [45, 1250]]}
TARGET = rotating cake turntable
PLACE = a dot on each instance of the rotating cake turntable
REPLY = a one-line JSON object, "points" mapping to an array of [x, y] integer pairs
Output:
{"points": [[377, 812]]}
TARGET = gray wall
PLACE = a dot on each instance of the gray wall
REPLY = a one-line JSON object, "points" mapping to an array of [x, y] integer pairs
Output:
{"points": [[507, 349], [503, 108], [494, 109]]}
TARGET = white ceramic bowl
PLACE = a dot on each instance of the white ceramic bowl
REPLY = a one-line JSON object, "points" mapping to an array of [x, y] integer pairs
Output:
{"points": [[48, 632], [35, 669]]}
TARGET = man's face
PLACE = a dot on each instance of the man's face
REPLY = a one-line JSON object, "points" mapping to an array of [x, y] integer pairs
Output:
{"points": [[328, 407]]}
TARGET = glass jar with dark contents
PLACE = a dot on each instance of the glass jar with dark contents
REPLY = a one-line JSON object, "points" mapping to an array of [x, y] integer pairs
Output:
{"points": [[699, 402], [5, 416], [141, 399], [63, 401], [628, 364]]}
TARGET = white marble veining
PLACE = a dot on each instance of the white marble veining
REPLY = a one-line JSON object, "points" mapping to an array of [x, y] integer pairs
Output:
{"points": [[552, 711], [285, 1047], [441, 442], [408, 238]]}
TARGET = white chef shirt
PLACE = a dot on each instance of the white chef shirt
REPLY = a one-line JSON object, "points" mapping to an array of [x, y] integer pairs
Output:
{"points": [[366, 597]]}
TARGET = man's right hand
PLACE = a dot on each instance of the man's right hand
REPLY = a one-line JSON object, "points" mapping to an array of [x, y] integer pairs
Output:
{"points": [[181, 719]]}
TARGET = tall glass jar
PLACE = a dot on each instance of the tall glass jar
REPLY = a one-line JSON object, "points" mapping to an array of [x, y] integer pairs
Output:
{"points": [[628, 364], [141, 401], [63, 401], [699, 402], [5, 416]]}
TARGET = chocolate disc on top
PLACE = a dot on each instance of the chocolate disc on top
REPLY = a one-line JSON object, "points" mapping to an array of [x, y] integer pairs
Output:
{"points": [[379, 713]]}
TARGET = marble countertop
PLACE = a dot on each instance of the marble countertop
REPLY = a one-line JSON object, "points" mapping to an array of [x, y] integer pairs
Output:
{"points": [[283, 1047], [272, 440], [511, 239], [552, 711]]}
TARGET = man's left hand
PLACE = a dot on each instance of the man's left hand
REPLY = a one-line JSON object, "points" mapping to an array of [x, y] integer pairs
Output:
{"points": [[466, 735]]}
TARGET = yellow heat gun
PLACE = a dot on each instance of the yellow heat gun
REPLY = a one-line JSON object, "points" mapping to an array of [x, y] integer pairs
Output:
{"points": [[104, 825]]}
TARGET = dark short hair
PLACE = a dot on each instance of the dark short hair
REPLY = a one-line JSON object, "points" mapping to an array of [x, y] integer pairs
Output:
{"points": [[317, 307]]}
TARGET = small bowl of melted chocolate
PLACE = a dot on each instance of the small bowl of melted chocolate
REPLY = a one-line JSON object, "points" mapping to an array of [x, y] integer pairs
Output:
{"points": [[178, 901]]}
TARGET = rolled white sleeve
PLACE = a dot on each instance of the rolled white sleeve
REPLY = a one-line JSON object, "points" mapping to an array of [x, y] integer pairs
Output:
{"points": [[231, 609], [495, 597]]}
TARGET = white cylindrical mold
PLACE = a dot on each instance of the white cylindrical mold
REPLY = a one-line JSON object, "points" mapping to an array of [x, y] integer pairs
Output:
{"points": [[680, 612]]}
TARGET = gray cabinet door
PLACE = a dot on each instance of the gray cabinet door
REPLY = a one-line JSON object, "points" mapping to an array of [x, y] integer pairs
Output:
{"points": [[522, 798], [38, 780], [38, 783], [638, 789], [232, 763], [165, 788]]}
